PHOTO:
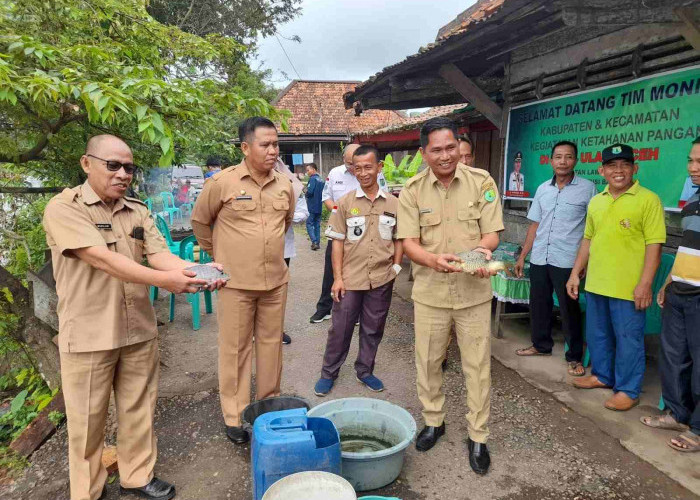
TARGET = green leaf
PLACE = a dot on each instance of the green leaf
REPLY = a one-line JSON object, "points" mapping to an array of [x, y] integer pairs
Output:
{"points": [[141, 112], [158, 123], [102, 102], [165, 143], [43, 402], [18, 401], [90, 87]]}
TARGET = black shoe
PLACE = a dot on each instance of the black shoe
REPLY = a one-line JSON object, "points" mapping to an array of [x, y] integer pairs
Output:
{"points": [[429, 436], [479, 457], [319, 316], [237, 434], [286, 339], [157, 489]]}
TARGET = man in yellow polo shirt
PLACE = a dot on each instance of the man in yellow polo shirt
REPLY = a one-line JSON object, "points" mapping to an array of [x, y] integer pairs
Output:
{"points": [[622, 246]]}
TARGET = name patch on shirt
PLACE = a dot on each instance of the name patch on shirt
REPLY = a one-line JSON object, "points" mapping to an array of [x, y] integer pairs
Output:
{"points": [[338, 182], [389, 214], [426, 211], [103, 225], [244, 198]]}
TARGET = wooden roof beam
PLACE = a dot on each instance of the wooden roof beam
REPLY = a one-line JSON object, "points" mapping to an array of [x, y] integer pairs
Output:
{"points": [[472, 93], [689, 28]]}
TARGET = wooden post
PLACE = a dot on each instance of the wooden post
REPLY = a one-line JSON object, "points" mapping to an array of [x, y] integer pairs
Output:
{"points": [[472, 93], [320, 159], [689, 29]]}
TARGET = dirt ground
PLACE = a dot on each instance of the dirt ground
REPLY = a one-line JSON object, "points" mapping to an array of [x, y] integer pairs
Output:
{"points": [[540, 448]]}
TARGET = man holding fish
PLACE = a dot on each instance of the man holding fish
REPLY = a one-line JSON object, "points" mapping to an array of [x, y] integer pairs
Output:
{"points": [[99, 239], [449, 208]]}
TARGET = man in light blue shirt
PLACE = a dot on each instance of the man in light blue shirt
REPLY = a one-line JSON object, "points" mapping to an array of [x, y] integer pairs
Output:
{"points": [[558, 217]]}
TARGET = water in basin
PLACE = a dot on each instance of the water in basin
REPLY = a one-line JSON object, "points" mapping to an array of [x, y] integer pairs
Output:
{"points": [[363, 444]]}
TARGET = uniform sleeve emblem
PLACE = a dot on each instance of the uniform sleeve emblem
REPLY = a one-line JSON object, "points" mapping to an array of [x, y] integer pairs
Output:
{"points": [[490, 195]]}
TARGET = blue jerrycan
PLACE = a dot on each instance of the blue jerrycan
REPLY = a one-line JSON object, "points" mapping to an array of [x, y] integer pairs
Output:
{"points": [[286, 442]]}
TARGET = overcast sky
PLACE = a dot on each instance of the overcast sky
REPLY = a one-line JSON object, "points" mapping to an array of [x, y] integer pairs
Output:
{"points": [[353, 39]]}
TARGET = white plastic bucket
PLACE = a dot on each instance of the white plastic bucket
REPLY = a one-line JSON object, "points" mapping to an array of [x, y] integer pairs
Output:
{"points": [[311, 486]]}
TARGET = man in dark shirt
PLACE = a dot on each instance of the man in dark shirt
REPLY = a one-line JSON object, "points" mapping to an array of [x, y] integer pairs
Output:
{"points": [[680, 334], [314, 190]]}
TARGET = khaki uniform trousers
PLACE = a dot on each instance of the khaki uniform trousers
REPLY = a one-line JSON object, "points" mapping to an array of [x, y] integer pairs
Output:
{"points": [[473, 329], [87, 380], [243, 314]]}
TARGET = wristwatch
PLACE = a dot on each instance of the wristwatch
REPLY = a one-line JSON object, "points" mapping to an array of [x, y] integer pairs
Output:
{"points": [[396, 268]]}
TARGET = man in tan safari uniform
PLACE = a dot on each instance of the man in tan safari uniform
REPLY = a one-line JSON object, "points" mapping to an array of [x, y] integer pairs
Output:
{"points": [[241, 217], [107, 326], [445, 209]]}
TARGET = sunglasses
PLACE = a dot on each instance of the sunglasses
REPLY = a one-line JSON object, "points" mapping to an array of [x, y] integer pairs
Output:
{"points": [[115, 166]]}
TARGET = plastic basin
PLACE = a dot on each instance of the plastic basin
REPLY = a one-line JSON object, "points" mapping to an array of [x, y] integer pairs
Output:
{"points": [[278, 403], [311, 486], [375, 419]]}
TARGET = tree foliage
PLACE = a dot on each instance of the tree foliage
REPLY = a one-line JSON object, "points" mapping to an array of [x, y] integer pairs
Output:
{"points": [[243, 20], [407, 168], [72, 68]]}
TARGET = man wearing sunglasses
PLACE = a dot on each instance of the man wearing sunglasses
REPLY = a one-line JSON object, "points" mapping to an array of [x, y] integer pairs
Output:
{"points": [[99, 239]]}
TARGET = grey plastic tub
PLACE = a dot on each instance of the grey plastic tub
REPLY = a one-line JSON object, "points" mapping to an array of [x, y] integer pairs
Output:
{"points": [[375, 419]]}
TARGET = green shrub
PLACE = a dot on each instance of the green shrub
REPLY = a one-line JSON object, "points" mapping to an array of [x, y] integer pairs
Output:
{"points": [[33, 396]]}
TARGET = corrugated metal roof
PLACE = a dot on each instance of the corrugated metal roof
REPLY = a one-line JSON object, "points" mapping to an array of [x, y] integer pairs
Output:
{"points": [[478, 13], [415, 121]]}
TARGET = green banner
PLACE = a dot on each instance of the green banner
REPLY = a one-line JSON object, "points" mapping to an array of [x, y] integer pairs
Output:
{"points": [[658, 116]]}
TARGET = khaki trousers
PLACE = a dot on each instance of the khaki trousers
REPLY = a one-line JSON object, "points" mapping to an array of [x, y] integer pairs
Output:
{"points": [[87, 381], [243, 314], [472, 326]]}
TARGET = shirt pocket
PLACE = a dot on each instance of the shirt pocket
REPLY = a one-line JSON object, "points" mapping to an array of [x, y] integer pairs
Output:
{"points": [[280, 205], [573, 212], [429, 228], [356, 227], [469, 223], [136, 249], [110, 240], [243, 205], [386, 227]]}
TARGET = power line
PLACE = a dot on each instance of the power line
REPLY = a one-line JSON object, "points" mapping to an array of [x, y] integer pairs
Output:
{"points": [[287, 55]]}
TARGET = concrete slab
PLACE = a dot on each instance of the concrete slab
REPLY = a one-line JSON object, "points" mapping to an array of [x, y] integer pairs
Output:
{"points": [[549, 374]]}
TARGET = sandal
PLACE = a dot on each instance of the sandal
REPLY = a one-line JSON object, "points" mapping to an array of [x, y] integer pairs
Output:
{"points": [[689, 442], [531, 351], [663, 422], [576, 369]]}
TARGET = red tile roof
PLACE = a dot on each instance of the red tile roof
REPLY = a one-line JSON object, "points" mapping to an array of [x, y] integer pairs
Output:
{"points": [[317, 108]]}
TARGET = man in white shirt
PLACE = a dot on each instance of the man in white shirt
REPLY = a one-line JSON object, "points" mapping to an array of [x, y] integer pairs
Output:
{"points": [[340, 181], [516, 182]]}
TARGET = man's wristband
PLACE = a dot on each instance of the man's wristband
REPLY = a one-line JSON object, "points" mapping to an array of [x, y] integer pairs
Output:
{"points": [[396, 268]]}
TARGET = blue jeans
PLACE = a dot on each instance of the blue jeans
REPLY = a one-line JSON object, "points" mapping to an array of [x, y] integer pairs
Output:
{"points": [[680, 358], [313, 227], [615, 335]]}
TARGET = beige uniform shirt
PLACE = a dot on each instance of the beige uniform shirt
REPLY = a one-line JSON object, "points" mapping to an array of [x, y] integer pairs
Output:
{"points": [[449, 220], [96, 311], [368, 230], [242, 224]]}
